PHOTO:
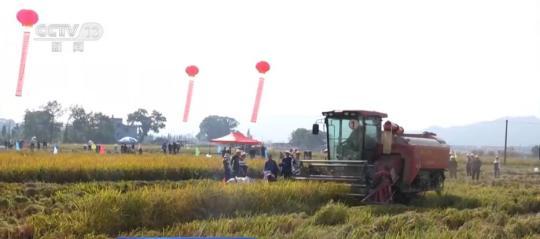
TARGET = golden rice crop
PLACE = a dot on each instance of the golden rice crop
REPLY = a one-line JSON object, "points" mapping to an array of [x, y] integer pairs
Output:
{"points": [[81, 167], [111, 211]]}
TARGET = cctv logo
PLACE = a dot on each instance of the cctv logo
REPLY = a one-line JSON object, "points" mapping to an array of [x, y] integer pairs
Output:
{"points": [[78, 34]]}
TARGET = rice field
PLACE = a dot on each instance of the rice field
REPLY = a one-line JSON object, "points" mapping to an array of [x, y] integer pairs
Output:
{"points": [[88, 166], [42, 197]]}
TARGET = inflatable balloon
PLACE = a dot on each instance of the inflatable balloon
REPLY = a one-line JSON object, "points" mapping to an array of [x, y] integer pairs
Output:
{"points": [[27, 18], [192, 71], [262, 67]]}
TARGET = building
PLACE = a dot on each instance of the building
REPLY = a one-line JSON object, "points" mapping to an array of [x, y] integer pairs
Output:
{"points": [[121, 130]]}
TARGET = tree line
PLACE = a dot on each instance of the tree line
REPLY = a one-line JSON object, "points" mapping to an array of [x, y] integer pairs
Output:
{"points": [[81, 126]]}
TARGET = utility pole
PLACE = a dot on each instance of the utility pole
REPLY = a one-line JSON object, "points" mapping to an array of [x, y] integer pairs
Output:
{"points": [[505, 140]]}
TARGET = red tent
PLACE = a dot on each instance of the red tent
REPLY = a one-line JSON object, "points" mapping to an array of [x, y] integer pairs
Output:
{"points": [[235, 138]]}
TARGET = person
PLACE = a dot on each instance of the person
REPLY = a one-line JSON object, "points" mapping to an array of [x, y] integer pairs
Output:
{"points": [[243, 164], [169, 148], [263, 151], [476, 164], [235, 162], [468, 164], [164, 147], [175, 147], [271, 170], [33, 143], [286, 165], [38, 145], [452, 167], [140, 149], [296, 161], [227, 166], [496, 167]]}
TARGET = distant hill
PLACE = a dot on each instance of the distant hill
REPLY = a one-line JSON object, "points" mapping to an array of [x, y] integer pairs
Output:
{"points": [[522, 131]]}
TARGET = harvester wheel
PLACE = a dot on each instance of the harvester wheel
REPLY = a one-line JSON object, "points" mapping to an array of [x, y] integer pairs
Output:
{"points": [[403, 198]]}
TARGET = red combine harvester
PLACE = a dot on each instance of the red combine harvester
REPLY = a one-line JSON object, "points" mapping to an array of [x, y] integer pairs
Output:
{"points": [[381, 163]]}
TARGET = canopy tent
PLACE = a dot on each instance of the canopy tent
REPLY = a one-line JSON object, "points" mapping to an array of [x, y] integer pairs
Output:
{"points": [[235, 138], [127, 140]]}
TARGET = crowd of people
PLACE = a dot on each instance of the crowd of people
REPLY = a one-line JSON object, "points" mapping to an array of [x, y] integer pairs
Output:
{"points": [[19, 144], [171, 147], [473, 166], [235, 165]]}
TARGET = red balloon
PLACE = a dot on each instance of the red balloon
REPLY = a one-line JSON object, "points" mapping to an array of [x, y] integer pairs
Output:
{"points": [[263, 67], [192, 70], [27, 17]]}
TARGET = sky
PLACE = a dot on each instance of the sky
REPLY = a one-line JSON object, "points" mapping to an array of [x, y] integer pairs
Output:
{"points": [[425, 63]]}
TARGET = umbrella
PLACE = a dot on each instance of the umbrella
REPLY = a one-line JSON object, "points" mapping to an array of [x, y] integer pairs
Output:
{"points": [[127, 140]]}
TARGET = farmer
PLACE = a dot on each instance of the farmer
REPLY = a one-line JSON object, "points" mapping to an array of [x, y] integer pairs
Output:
{"points": [[227, 166], [164, 147], [235, 162], [140, 149], [452, 167], [468, 165], [476, 164], [496, 167], [243, 164], [271, 170], [286, 165]]}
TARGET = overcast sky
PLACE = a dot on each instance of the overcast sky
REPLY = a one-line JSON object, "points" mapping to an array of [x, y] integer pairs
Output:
{"points": [[424, 63]]}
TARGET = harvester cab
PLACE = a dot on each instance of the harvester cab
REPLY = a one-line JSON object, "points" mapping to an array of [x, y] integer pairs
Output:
{"points": [[372, 158]]}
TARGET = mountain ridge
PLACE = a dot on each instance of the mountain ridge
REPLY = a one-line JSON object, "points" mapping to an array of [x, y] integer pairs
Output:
{"points": [[522, 131]]}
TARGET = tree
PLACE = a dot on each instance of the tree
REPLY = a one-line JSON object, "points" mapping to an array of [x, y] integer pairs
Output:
{"points": [[79, 130], [146, 123], [40, 123], [16, 132], [4, 131], [535, 149], [101, 128], [303, 138], [214, 126], [55, 110]]}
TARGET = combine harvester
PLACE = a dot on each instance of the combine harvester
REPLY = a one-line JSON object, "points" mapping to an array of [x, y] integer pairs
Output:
{"points": [[381, 163]]}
